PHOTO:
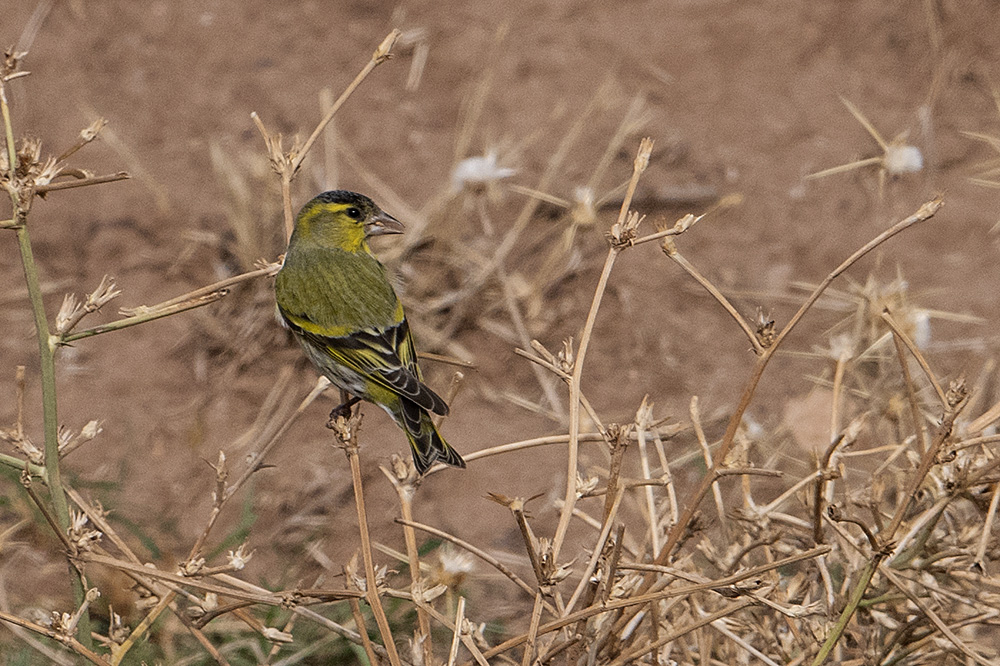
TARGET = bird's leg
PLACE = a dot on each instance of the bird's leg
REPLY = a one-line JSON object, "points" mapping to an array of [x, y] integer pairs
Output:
{"points": [[344, 408]]}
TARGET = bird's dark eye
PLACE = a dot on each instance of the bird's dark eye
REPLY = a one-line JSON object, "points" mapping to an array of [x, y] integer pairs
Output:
{"points": [[353, 213]]}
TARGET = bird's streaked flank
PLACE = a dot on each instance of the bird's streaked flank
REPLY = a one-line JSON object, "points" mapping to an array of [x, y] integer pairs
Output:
{"points": [[336, 298]]}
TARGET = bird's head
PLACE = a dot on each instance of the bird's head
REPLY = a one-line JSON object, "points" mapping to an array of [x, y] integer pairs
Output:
{"points": [[344, 220]]}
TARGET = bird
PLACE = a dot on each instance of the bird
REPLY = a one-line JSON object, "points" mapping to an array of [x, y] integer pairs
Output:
{"points": [[336, 298]]}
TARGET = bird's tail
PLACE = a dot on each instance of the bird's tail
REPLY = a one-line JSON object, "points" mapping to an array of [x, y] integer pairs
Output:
{"points": [[429, 447]]}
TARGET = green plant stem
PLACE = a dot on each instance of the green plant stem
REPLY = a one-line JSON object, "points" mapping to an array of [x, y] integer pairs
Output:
{"points": [[852, 605], [53, 475], [53, 472], [22, 465]]}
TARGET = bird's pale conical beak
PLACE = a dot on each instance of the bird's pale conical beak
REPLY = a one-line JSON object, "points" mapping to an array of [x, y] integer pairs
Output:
{"points": [[383, 223]]}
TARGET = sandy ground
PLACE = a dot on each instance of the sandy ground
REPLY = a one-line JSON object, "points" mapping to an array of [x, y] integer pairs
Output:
{"points": [[741, 98]]}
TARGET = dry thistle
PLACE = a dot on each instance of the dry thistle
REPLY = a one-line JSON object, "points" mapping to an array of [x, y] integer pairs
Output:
{"points": [[479, 173], [623, 234], [11, 61], [238, 559], [80, 536], [70, 441], [453, 566], [566, 358], [87, 135], [897, 157], [22, 443], [346, 429], [765, 329], [552, 573], [402, 475], [118, 631], [357, 578]]}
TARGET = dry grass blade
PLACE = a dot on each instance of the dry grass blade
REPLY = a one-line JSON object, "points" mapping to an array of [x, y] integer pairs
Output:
{"points": [[621, 235]]}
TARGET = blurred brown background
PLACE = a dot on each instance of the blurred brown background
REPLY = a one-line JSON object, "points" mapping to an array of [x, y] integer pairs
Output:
{"points": [[741, 98]]}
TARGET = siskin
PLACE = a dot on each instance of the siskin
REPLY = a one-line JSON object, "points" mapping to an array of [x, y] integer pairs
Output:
{"points": [[335, 296]]}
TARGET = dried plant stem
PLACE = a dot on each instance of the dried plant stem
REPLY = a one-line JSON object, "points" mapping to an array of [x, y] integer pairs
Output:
{"points": [[382, 53], [911, 396], [338, 629], [481, 554], [935, 619], [68, 641], [405, 492], [717, 295], [925, 212], [143, 318], [574, 405], [359, 622], [654, 531], [631, 656], [591, 437], [235, 588], [706, 453], [182, 303], [984, 538], [565, 376], [258, 458], [456, 637], [83, 182], [566, 513], [371, 591], [46, 358], [928, 459], [529, 643], [595, 556], [202, 639], [514, 310], [905, 339], [288, 165], [659, 595]]}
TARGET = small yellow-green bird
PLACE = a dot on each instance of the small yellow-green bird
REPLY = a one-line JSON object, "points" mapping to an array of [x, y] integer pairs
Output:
{"points": [[336, 298]]}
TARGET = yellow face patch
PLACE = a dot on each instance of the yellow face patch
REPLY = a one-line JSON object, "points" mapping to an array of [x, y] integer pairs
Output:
{"points": [[338, 225]]}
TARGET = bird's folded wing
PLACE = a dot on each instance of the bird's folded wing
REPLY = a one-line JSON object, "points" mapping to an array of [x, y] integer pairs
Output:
{"points": [[372, 353]]}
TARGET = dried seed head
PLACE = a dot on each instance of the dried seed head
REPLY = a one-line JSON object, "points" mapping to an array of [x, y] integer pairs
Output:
{"points": [[402, 474], [957, 393], [644, 415], [11, 60], [90, 133], [454, 566], [117, 630], [79, 535], [67, 314], [191, 567], [566, 358], [623, 234], [105, 292], [765, 331], [238, 559], [346, 430], [432, 593], [476, 173], [584, 487], [900, 159], [23, 444], [552, 573], [352, 575], [584, 210]]}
